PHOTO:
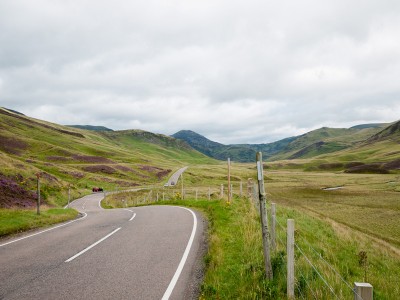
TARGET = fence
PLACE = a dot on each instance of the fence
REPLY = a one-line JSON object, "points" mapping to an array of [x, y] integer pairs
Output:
{"points": [[314, 277], [309, 274]]}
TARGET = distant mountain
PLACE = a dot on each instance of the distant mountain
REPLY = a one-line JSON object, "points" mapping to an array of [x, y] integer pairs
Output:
{"points": [[90, 127], [213, 149], [317, 142]]}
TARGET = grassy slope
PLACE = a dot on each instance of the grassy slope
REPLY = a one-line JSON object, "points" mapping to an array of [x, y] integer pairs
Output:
{"points": [[85, 158], [325, 140]]}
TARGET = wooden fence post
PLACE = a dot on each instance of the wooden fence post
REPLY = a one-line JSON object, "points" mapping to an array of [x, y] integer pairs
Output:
{"points": [[363, 291], [249, 188], [229, 181], [273, 226], [290, 258], [209, 193], [38, 194], [241, 189], [264, 216], [182, 196], [196, 194], [222, 191]]}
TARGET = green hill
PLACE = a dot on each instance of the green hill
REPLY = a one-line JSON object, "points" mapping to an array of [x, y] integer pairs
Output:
{"points": [[317, 142], [91, 127], [240, 153], [65, 155]]}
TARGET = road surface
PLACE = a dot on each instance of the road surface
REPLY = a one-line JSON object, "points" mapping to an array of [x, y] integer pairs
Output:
{"points": [[174, 178], [137, 253]]}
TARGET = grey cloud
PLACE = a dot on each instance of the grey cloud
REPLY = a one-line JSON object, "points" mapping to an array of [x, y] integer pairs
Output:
{"points": [[241, 71]]}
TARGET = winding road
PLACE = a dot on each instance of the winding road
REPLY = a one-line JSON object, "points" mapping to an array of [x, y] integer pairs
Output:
{"points": [[149, 252], [174, 177]]}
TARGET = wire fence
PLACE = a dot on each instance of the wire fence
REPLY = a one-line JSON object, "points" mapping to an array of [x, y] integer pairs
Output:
{"points": [[315, 276]]}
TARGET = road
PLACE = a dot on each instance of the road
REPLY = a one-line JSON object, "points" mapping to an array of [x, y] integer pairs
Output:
{"points": [[174, 178], [137, 253]]}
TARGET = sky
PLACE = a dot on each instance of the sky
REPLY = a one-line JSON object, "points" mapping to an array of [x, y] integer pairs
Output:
{"points": [[252, 71]]}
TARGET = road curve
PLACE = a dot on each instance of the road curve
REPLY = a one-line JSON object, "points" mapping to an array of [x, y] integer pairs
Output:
{"points": [[133, 253], [174, 177]]}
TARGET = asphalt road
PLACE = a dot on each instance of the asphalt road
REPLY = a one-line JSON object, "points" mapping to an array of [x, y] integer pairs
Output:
{"points": [[174, 178], [135, 253]]}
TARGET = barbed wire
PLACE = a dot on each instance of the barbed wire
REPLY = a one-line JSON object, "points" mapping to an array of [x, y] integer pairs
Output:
{"points": [[310, 289], [331, 267], [316, 270]]}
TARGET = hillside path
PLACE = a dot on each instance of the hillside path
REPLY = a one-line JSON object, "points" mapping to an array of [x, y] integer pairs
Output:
{"points": [[137, 253]]}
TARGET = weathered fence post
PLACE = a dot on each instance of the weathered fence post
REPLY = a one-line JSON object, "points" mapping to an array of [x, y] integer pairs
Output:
{"points": [[222, 191], [229, 180], [290, 258], [273, 226], [363, 291], [264, 216], [38, 194], [157, 197], [209, 193], [69, 195], [249, 188], [182, 196], [196, 194], [241, 189], [231, 191]]}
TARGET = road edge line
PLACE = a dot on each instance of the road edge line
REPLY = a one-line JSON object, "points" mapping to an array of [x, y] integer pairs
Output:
{"points": [[178, 271]]}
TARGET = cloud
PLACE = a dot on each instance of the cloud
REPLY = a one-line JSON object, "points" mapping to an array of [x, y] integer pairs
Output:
{"points": [[235, 71]]}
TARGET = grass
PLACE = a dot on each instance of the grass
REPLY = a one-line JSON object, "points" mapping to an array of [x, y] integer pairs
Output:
{"points": [[17, 220], [335, 225]]}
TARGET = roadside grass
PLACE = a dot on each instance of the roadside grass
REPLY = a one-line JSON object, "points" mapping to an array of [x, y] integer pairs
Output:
{"points": [[335, 225], [18, 220]]}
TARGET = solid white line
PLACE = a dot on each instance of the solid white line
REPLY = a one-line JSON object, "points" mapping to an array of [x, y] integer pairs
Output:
{"points": [[134, 215], [92, 245], [174, 280], [28, 236]]}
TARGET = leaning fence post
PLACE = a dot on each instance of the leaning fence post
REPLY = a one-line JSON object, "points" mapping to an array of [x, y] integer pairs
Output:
{"points": [[273, 226], [38, 194], [290, 258], [363, 291], [264, 217]]}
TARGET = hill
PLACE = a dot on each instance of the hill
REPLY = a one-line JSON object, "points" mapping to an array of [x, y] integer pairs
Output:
{"points": [[69, 156], [216, 150], [317, 142], [91, 127]]}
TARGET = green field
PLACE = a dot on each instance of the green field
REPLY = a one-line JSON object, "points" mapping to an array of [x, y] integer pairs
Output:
{"points": [[338, 224]]}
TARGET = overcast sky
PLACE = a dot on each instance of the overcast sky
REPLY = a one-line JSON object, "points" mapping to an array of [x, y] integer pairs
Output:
{"points": [[234, 71]]}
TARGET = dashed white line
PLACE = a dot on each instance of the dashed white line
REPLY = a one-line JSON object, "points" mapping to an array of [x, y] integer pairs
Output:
{"points": [[28, 236], [92, 245], [174, 280]]}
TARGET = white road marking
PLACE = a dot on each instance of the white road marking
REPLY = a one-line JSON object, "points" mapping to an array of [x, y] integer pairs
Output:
{"points": [[92, 245], [174, 280], [28, 236], [133, 216]]}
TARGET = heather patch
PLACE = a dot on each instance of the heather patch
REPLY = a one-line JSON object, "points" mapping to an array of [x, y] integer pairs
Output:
{"points": [[13, 194], [92, 159], [12, 145], [99, 169]]}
